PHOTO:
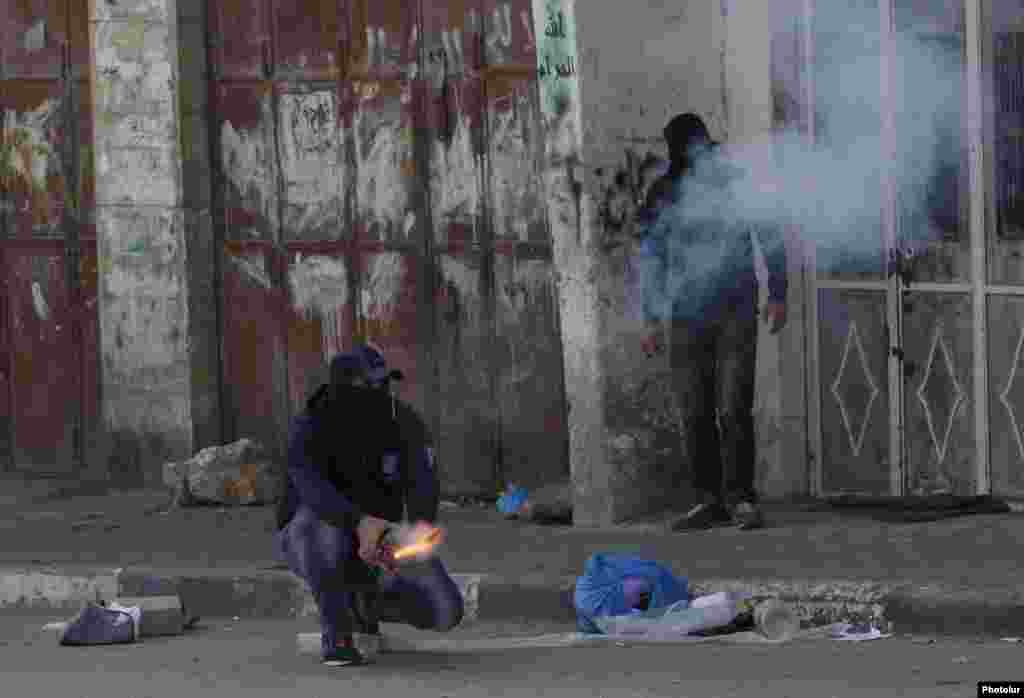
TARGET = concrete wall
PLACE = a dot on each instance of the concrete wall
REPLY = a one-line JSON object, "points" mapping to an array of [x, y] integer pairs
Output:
{"points": [[640, 64], [143, 246]]}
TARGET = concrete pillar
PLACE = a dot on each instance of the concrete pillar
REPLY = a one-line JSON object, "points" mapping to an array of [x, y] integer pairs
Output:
{"points": [[146, 380], [577, 262]]}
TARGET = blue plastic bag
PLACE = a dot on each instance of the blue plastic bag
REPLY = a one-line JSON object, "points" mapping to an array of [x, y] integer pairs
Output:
{"points": [[599, 591], [512, 501]]}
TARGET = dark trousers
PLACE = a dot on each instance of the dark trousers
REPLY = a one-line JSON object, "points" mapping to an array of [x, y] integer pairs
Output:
{"points": [[713, 357], [319, 553]]}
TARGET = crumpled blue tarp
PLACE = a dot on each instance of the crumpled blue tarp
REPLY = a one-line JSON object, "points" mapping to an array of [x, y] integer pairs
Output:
{"points": [[599, 591]]}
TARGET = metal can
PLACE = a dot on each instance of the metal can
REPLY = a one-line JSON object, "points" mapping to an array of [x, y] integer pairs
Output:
{"points": [[776, 620]]}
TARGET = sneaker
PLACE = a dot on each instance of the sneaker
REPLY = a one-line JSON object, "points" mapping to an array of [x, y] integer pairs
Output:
{"points": [[342, 655], [747, 516], [701, 517]]}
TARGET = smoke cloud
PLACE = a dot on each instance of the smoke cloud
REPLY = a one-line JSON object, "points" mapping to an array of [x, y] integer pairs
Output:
{"points": [[887, 109]]}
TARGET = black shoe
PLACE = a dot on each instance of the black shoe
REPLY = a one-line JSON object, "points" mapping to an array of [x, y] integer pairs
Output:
{"points": [[701, 517], [343, 656], [747, 516], [343, 653]]}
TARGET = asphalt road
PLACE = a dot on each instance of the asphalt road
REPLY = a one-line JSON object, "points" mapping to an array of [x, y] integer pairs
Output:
{"points": [[258, 658]]}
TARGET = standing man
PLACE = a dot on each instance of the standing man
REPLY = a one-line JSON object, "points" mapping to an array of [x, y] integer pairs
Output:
{"points": [[699, 281], [356, 458]]}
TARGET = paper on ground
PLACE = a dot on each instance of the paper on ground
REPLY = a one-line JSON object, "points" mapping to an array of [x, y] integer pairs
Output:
{"points": [[855, 633]]}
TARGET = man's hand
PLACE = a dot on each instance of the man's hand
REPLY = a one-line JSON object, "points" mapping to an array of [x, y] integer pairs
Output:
{"points": [[775, 315], [652, 343], [369, 533]]}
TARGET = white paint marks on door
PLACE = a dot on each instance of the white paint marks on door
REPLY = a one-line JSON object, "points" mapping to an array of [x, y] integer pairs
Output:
{"points": [[456, 174], [382, 285], [248, 158], [464, 279], [311, 161], [319, 285], [39, 303], [514, 183], [251, 271], [382, 148], [28, 151], [35, 38]]}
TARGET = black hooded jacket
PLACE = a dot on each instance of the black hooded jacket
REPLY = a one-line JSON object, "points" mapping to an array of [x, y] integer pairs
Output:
{"points": [[354, 452]]}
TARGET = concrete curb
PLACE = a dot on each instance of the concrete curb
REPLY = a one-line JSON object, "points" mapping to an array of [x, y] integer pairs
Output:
{"points": [[272, 593], [250, 593]]}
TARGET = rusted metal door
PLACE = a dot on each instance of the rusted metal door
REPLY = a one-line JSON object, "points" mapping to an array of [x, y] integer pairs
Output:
{"points": [[48, 317], [528, 354], [378, 180]]}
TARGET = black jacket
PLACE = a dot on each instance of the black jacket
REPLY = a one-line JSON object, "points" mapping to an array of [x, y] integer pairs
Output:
{"points": [[355, 451], [691, 263]]}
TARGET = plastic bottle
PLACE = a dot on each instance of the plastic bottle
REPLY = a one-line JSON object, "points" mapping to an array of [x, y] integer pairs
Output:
{"points": [[683, 621], [678, 619]]}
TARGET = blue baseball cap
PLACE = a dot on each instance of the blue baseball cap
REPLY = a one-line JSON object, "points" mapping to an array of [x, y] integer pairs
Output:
{"points": [[363, 361]]}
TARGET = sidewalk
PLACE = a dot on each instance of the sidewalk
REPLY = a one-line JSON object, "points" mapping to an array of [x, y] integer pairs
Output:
{"points": [[958, 576]]}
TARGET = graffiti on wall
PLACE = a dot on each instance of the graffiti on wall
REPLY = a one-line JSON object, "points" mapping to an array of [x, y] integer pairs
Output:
{"points": [[623, 190], [311, 163], [555, 35]]}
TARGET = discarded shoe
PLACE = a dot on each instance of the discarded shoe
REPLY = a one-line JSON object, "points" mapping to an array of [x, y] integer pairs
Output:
{"points": [[701, 517], [747, 516]]}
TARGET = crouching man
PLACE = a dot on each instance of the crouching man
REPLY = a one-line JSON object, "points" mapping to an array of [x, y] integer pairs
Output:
{"points": [[356, 457]]}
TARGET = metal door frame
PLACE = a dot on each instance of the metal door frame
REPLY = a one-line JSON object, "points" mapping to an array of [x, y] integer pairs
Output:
{"points": [[892, 285]]}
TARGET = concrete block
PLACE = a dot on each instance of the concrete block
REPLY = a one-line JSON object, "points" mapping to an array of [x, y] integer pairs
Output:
{"points": [[159, 590], [161, 615]]}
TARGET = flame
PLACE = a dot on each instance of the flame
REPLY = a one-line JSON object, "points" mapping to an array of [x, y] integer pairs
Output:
{"points": [[423, 546]]}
